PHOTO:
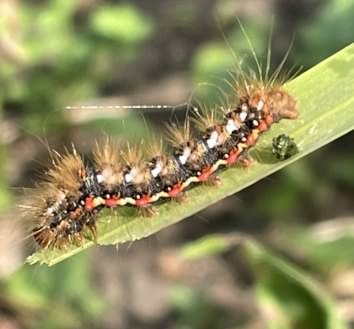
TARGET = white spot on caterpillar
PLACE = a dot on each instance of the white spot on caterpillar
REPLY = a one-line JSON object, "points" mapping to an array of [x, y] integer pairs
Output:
{"points": [[213, 140], [184, 157], [50, 210], [100, 178], [130, 176], [61, 196], [243, 116], [231, 126], [260, 105], [156, 171]]}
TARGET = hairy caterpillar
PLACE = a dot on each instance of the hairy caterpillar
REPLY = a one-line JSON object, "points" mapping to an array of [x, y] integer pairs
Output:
{"points": [[65, 205]]}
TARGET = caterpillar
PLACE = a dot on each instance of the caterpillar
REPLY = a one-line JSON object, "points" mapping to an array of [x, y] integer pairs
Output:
{"points": [[66, 203]]}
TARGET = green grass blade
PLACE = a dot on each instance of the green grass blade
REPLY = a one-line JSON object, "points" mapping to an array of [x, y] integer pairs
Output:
{"points": [[325, 96], [289, 296]]}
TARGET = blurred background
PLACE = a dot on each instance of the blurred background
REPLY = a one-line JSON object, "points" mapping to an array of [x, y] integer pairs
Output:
{"points": [[61, 52]]}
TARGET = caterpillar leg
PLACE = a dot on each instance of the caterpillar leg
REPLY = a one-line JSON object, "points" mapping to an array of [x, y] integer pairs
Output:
{"points": [[148, 211], [245, 160], [214, 180], [93, 230], [180, 198]]}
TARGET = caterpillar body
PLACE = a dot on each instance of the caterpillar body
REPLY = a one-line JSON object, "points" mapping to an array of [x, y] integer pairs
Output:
{"points": [[65, 205]]}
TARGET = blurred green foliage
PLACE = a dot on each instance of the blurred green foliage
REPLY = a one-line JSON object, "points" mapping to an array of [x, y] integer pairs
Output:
{"points": [[287, 296], [220, 62], [65, 61], [189, 304], [61, 297], [122, 23], [5, 195], [331, 29]]}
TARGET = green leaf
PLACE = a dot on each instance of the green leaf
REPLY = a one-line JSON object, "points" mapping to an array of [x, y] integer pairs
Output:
{"points": [[206, 246], [325, 96], [288, 297], [327, 245]]}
